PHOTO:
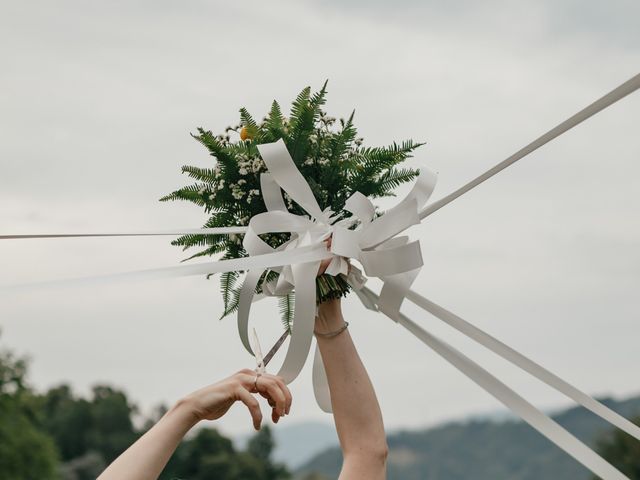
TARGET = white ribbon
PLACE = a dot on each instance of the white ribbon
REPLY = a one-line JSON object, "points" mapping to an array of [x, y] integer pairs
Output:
{"points": [[603, 102], [375, 244], [185, 231], [526, 364], [372, 244], [516, 403]]}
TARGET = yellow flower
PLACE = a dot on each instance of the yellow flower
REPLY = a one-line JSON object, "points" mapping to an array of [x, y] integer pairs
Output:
{"points": [[244, 134]]}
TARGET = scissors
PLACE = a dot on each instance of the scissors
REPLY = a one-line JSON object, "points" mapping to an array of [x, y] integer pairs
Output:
{"points": [[261, 362]]}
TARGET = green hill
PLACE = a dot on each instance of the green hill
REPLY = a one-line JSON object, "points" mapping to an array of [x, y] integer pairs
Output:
{"points": [[484, 449]]}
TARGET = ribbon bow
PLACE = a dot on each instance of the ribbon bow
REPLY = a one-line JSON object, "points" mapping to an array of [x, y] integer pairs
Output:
{"points": [[373, 243]]}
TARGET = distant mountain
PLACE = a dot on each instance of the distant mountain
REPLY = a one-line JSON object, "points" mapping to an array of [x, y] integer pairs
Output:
{"points": [[297, 444], [484, 449]]}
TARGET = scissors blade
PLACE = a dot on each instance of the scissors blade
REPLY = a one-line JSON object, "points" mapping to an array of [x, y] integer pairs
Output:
{"points": [[258, 353], [275, 348]]}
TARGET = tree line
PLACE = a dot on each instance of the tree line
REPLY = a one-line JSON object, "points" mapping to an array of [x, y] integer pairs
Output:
{"points": [[58, 435]]}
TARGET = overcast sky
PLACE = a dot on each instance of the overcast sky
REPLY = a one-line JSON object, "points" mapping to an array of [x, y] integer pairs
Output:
{"points": [[97, 100]]}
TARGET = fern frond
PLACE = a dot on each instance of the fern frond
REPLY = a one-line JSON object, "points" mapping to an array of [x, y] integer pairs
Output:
{"points": [[394, 177], [341, 142], [286, 304], [197, 240], [217, 150], [274, 125], [299, 106], [207, 175], [227, 288], [220, 219], [207, 252], [305, 111], [190, 193], [247, 121], [377, 159]]}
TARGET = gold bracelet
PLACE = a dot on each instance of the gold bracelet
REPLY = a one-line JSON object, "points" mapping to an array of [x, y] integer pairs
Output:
{"points": [[334, 333]]}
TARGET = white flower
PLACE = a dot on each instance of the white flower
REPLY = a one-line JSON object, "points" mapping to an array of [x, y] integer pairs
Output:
{"points": [[243, 171], [236, 191], [242, 181], [211, 197], [308, 161], [257, 165]]}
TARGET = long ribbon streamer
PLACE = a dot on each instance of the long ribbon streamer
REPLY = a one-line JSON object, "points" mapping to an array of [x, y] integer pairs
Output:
{"points": [[512, 400], [530, 414], [312, 253], [526, 364], [610, 98], [184, 231]]}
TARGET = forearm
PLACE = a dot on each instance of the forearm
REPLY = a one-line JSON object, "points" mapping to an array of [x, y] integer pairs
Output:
{"points": [[355, 407], [145, 459]]}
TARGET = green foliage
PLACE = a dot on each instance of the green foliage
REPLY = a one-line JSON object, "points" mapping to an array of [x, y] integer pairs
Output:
{"points": [[79, 426], [68, 420], [112, 427], [25, 450], [315, 476], [327, 152], [287, 304], [210, 455], [61, 436], [261, 445], [86, 467], [622, 451]]}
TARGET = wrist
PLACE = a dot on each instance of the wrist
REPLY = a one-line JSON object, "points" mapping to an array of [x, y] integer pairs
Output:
{"points": [[330, 308], [184, 411], [329, 317]]}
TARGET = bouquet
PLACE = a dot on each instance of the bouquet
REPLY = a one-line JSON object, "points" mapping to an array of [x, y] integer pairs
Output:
{"points": [[329, 154], [330, 176]]}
